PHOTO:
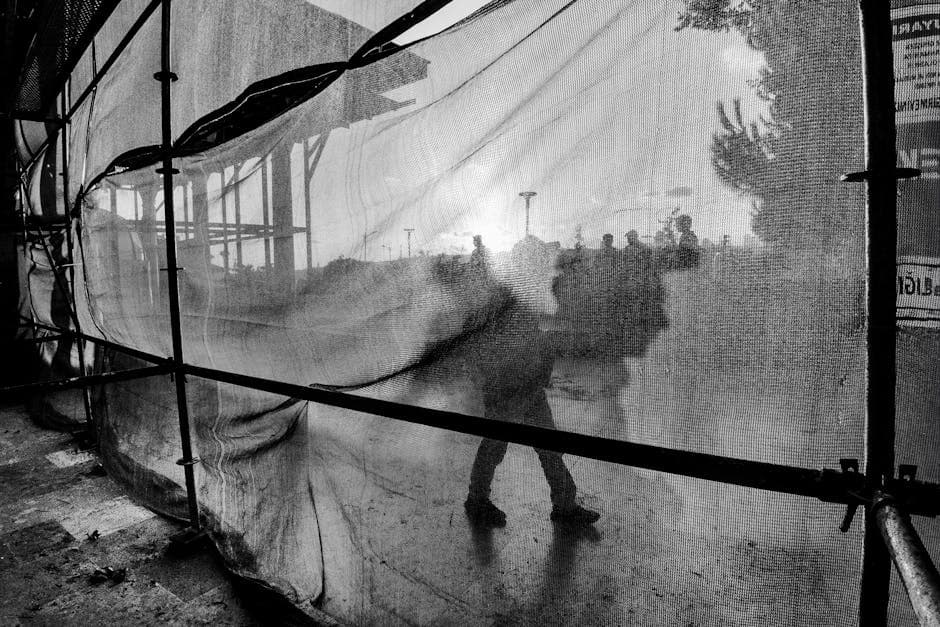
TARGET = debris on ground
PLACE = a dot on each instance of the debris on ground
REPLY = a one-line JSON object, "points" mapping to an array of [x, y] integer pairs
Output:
{"points": [[107, 573], [97, 471]]}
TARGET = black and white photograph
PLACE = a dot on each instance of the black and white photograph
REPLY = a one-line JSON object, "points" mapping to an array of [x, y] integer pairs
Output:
{"points": [[470, 312]]}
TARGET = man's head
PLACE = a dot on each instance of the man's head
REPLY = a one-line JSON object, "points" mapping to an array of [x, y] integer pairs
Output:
{"points": [[608, 240], [477, 241], [684, 223], [531, 274], [633, 238]]}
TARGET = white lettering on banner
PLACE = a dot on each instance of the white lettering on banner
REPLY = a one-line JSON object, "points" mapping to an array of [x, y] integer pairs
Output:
{"points": [[918, 26], [920, 104], [927, 160], [918, 291]]}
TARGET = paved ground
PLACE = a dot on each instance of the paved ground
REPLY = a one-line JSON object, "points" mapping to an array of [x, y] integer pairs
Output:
{"points": [[62, 521]]}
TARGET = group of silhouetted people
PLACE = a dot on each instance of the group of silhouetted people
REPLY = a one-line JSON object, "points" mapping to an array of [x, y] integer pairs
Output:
{"points": [[512, 358]]}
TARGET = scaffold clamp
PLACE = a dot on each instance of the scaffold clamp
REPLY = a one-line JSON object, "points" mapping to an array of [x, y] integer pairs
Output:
{"points": [[850, 487], [865, 175], [912, 496], [850, 510], [850, 466]]}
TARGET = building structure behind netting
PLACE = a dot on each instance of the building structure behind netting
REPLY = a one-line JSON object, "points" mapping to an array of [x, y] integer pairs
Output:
{"points": [[305, 268]]}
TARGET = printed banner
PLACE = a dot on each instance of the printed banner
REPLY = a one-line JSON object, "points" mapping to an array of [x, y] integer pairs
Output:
{"points": [[916, 36], [918, 291]]}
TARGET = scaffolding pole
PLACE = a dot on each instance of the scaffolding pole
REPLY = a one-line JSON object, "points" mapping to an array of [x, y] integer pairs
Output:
{"points": [[133, 352], [910, 557], [85, 381], [70, 260], [881, 176], [166, 78], [827, 485]]}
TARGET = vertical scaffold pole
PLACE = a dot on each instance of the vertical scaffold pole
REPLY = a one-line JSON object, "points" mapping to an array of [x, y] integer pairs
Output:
{"points": [[880, 165], [70, 258], [166, 77]]}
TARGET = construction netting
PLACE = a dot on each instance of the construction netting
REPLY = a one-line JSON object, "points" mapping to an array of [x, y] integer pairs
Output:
{"points": [[615, 218]]}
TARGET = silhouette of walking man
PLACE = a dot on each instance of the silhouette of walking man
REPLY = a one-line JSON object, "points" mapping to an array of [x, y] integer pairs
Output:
{"points": [[513, 365]]}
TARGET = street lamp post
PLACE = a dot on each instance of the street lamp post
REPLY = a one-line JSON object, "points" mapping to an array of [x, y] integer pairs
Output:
{"points": [[389, 249], [528, 197], [365, 238], [408, 231]]}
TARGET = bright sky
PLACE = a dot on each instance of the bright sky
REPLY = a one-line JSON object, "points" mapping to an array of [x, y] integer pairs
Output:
{"points": [[608, 116], [607, 113]]}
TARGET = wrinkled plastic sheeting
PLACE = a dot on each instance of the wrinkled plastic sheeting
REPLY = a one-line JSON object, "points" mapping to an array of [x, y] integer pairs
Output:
{"points": [[254, 490], [44, 301], [253, 474]]}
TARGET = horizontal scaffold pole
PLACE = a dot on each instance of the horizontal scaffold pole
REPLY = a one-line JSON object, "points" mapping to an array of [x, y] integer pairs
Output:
{"points": [[42, 339], [120, 348], [35, 223], [823, 484], [86, 381]]}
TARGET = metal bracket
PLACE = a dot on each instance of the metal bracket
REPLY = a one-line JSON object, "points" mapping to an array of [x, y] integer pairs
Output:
{"points": [[912, 496], [865, 175], [164, 170], [851, 487], [849, 466], [161, 76], [188, 541], [188, 462], [907, 472]]}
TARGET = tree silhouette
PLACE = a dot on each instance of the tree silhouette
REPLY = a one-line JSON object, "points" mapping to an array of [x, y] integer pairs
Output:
{"points": [[741, 152], [714, 15], [790, 164]]}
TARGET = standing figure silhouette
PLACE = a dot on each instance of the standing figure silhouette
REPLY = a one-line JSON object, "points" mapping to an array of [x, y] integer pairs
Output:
{"points": [[511, 363]]}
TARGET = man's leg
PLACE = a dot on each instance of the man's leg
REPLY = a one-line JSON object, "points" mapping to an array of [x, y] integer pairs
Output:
{"points": [[560, 483], [489, 456], [478, 505], [565, 509], [563, 490]]}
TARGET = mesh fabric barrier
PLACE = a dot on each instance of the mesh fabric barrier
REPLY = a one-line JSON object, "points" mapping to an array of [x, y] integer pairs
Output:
{"points": [[395, 546], [528, 211], [335, 244], [65, 32]]}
